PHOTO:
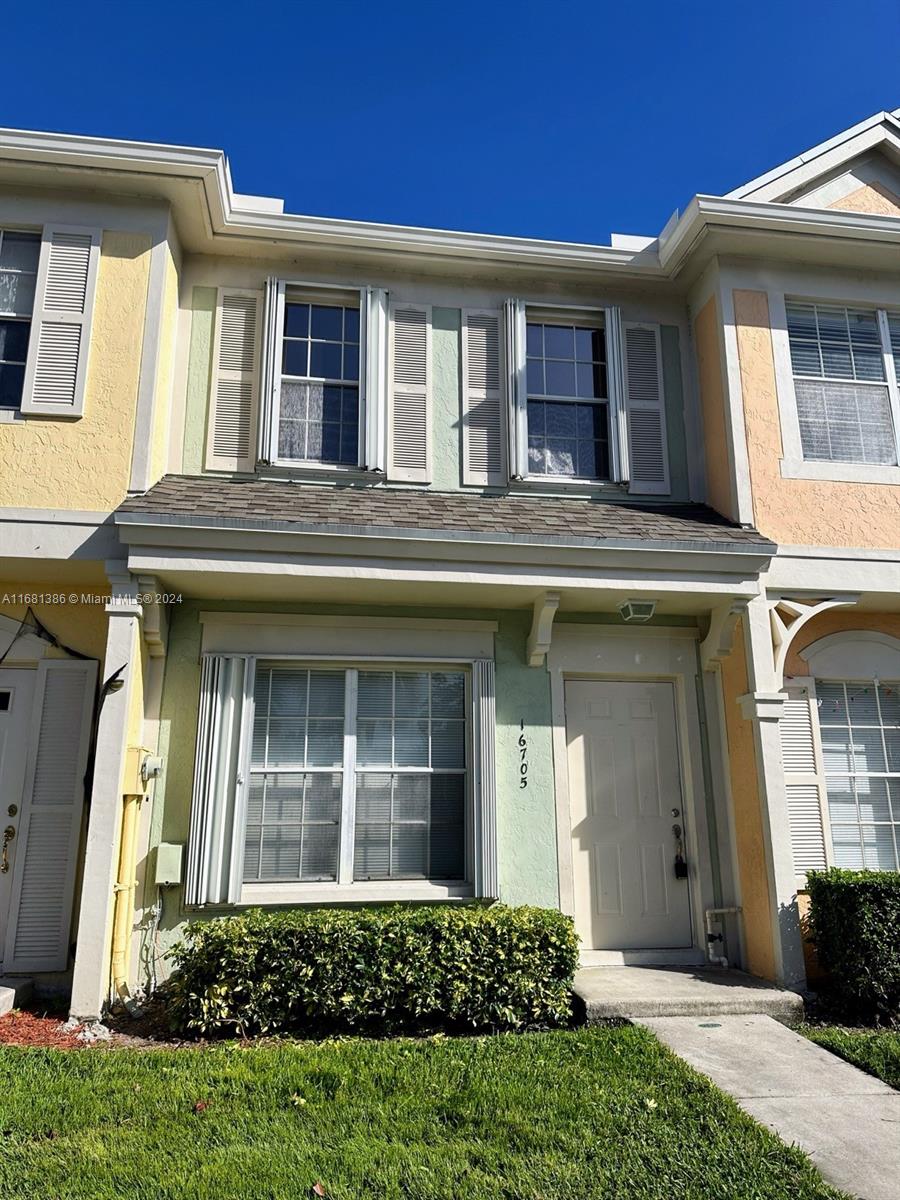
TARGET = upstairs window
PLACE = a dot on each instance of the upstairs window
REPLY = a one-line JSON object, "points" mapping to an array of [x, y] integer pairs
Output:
{"points": [[845, 382], [568, 401], [19, 253], [319, 411]]}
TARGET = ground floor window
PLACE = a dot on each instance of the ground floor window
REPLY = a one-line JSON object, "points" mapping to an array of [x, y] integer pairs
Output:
{"points": [[859, 723], [379, 753]]}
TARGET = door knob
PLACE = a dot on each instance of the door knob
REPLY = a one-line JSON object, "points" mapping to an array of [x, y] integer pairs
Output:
{"points": [[8, 834]]}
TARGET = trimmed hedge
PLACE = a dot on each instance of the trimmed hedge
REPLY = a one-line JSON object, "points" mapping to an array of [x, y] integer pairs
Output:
{"points": [[374, 970], [855, 925]]}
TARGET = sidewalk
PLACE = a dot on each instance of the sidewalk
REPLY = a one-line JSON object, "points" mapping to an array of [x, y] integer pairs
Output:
{"points": [[848, 1122]]}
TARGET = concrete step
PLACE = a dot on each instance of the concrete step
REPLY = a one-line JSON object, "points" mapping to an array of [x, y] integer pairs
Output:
{"points": [[625, 992], [15, 990]]}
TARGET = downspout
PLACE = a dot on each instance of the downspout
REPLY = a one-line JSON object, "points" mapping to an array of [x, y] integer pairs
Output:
{"points": [[123, 912]]}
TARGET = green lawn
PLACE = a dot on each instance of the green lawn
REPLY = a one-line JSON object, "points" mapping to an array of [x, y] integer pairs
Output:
{"points": [[874, 1050], [575, 1115]]}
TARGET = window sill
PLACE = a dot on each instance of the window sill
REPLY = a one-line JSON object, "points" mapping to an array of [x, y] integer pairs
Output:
{"points": [[10, 415], [364, 893], [309, 470], [839, 472], [554, 484]]}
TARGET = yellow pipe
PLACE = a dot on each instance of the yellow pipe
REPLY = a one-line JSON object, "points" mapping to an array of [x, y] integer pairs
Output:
{"points": [[123, 912]]}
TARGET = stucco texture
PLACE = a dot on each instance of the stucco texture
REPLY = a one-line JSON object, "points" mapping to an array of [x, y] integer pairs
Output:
{"points": [[80, 627], [748, 824], [51, 462], [712, 407], [872, 198], [199, 378], [799, 511]]}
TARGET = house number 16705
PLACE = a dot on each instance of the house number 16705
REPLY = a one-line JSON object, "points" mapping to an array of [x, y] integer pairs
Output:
{"points": [[523, 756]]}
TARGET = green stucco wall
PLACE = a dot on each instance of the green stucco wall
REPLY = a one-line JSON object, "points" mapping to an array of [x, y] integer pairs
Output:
{"points": [[203, 305]]}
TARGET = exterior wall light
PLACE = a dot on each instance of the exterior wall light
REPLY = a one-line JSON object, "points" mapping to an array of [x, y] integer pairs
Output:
{"points": [[637, 610]]}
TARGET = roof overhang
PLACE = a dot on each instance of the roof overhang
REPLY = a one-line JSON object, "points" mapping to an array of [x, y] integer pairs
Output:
{"points": [[272, 559]]}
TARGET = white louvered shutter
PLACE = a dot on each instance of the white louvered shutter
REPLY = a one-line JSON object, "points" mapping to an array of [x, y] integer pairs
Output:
{"points": [[215, 841], [485, 438], [648, 463], [231, 441], [56, 369], [804, 779], [409, 425], [49, 825]]}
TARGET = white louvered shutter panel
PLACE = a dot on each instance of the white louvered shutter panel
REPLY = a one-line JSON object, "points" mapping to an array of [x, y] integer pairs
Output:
{"points": [[409, 430], [56, 370], [648, 463], [49, 826], [803, 780], [485, 437], [231, 442]]}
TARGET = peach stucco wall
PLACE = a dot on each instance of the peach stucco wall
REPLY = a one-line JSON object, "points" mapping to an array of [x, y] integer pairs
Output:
{"points": [[799, 511], [712, 402], [748, 825], [870, 198], [837, 620]]}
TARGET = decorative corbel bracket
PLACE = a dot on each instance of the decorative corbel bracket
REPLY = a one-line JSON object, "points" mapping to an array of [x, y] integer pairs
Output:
{"points": [[717, 644], [155, 619], [788, 616], [538, 644]]}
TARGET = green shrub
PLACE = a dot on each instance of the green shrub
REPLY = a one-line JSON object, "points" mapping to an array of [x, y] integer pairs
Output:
{"points": [[374, 970], [855, 924]]}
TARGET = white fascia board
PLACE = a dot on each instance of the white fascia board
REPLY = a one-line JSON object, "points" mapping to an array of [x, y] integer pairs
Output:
{"points": [[800, 572], [230, 215], [51, 534], [166, 562], [705, 212], [478, 549], [889, 120]]}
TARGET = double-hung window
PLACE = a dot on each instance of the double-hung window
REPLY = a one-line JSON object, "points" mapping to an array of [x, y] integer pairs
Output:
{"points": [[324, 781], [319, 410], [19, 253], [859, 724], [569, 427], [845, 369]]}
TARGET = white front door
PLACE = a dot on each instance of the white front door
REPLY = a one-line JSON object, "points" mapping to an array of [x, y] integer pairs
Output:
{"points": [[16, 696], [625, 798]]}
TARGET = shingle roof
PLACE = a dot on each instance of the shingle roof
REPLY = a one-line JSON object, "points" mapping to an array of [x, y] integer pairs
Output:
{"points": [[209, 500]]}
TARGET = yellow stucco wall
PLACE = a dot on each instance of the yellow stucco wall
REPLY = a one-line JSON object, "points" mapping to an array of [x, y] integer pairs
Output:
{"points": [[85, 463], [799, 511], [159, 450], [870, 198], [81, 627], [748, 826], [712, 403]]}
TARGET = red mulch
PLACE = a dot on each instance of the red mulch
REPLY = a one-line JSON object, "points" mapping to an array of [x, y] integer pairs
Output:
{"points": [[20, 1028]]}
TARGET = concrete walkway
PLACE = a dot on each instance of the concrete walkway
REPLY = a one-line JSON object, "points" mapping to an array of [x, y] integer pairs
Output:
{"points": [[848, 1122], [678, 992]]}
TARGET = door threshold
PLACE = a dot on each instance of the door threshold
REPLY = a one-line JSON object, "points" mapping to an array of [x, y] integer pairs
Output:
{"points": [[688, 957]]}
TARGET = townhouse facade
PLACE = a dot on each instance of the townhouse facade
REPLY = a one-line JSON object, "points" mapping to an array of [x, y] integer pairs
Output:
{"points": [[440, 567]]}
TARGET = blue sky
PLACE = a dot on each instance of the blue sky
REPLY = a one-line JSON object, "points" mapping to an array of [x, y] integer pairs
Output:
{"points": [[563, 119]]}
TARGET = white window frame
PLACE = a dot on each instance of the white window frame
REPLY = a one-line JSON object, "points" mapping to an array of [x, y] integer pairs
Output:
{"points": [[372, 382], [345, 888], [14, 414], [607, 319], [793, 464]]}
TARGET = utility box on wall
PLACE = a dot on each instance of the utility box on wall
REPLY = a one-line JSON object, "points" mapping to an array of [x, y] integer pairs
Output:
{"points": [[168, 864]]}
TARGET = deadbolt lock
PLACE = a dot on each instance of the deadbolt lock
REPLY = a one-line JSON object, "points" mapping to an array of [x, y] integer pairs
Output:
{"points": [[13, 809]]}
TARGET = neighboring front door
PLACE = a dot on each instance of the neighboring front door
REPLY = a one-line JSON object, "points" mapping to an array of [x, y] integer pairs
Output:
{"points": [[625, 798], [16, 697]]}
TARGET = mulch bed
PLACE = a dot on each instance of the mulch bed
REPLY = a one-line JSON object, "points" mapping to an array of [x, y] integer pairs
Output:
{"points": [[22, 1028]]}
